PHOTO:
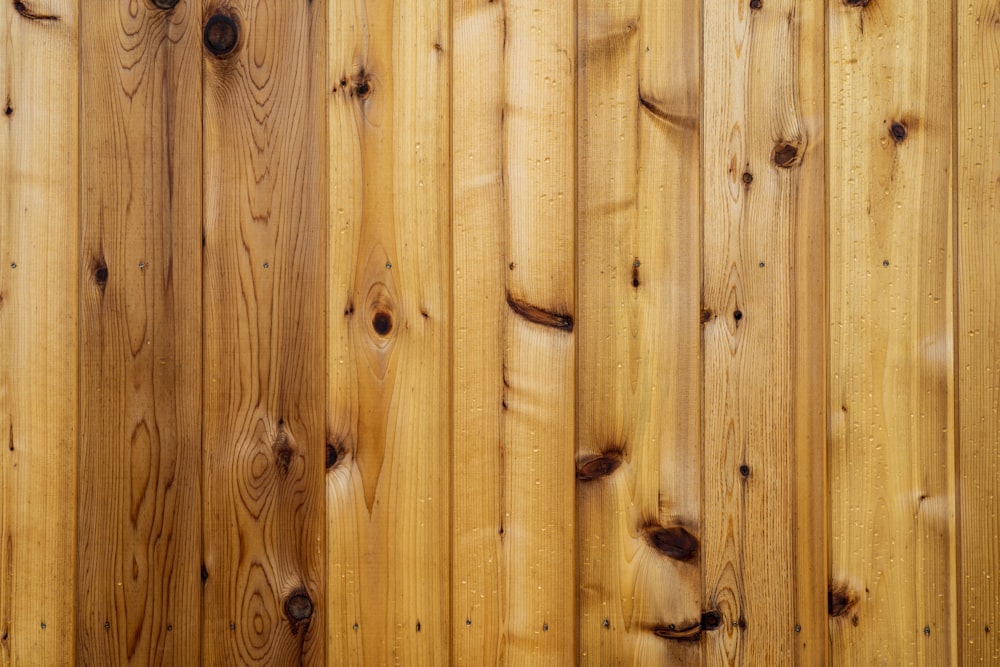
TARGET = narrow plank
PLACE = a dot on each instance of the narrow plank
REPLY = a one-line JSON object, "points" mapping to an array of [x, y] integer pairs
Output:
{"points": [[764, 427], [892, 468], [978, 330], [639, 390], [513, 130], [389, 416], [140, 331], [265, 332], [38, 320]]}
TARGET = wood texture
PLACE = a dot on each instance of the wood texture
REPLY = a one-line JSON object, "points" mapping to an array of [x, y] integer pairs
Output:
{"points": [[892, 482], [978, 330], [38, 319], [638, 399], [389, 432], [264, 340], [764, 332], [140, 329], [513, 546]]}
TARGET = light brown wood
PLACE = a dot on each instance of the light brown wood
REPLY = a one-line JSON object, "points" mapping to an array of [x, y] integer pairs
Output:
{"points": [[389, 433], [140, 329], [38, 320], [513, 555], [892, 469], [264, 339], [978, 330], [763, 253], [638, 404]]}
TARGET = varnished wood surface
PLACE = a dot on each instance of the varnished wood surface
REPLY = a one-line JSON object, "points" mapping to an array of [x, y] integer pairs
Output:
{"points": [[491, 332]]}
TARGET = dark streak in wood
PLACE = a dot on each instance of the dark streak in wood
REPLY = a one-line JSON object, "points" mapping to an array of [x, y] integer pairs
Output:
{"points": [[840, 600], [10, 445], [677, 120], [685, 634], [283, 449], [165, 4], [537, 315], [31, 15], [675, 542]]}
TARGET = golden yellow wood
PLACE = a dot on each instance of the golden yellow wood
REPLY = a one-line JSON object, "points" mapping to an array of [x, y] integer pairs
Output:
{"points": [[38, 320], [388, 501], [892, 483], [763, 253], [513, 123], [639, 357], [140, 309], [264, 337], [978, 330]]}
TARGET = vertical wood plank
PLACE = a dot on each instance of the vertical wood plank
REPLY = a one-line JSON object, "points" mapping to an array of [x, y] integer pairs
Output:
{"points": [[639, 389], [140, 331], [514, 576], [978, 331], [389, 419], [764, 332], [892, 512], [265, 332], [38, 320]]}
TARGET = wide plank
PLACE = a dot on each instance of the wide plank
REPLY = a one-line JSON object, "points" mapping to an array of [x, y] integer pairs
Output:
{"points": [[39, 219], [389, 408], [891, 393], [140, 334], [764, 333], [514, 585], [264, 444], [639, 385]]}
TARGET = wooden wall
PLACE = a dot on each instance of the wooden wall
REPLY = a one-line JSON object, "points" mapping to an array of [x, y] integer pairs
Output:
{"points": [[475, 332]]}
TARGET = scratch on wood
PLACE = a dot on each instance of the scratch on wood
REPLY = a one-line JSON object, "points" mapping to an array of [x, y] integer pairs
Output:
{"points": [[658, 112], [541, 316], [31, 15]]}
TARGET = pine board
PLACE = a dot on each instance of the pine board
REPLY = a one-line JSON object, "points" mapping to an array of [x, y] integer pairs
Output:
{"points": [[38, 319], [639, 389], [978, 330], [891, 412], [389, 432], [140, 318], [264, 344], [763, 289], [513, 187]]}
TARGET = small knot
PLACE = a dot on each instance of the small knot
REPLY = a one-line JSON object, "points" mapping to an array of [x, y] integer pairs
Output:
{"points": [[898, 132], [786, 155], [221, 35], [675, 542], [382, 323], [165, 4], [710, 620], [298, 607]]}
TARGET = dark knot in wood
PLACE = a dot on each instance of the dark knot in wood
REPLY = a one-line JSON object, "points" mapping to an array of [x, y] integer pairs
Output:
{"points": [[711, 620], [165, 4], [840, 600], [598, 466], [221, 34], [298, 608], [786, 155], [898, 132], [675, 542]]}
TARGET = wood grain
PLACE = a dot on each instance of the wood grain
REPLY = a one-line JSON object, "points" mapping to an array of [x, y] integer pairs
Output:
{"points": [[764, 332], [38, 319], [638, 406], [264, 339], [978, 330], [513, 177], [892, 469], [389, 413], [140, 330]]}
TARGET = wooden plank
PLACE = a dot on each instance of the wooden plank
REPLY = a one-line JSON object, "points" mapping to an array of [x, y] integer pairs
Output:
{"points": [[264, 343], [639, 390], [389, 417], [892, 469], [513, 127], [764, 252], [978, 330], [38, 319], [140, 331]]}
